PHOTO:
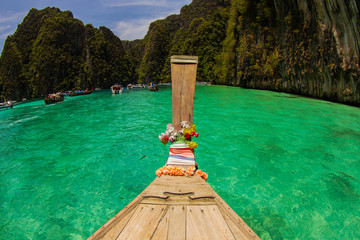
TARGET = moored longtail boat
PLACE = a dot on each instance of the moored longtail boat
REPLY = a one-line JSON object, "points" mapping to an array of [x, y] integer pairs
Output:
{"points": [[54, 98], [178, 204], [80, 92]]}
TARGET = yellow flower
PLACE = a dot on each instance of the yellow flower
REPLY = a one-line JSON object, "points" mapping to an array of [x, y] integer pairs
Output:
{"points": [[193, 145], [193, 128], [186, 130]]}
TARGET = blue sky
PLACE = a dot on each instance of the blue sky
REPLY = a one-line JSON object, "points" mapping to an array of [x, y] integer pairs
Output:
{"points": [[129, 19]]}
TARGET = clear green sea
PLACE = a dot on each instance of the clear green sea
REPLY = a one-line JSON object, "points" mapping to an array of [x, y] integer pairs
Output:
{"points": [[288, 165]]}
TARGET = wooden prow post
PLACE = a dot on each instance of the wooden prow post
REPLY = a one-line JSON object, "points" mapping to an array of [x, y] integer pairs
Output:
{"points": [[183, 77]]}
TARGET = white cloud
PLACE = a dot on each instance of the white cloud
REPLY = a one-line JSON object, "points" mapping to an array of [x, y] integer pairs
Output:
{"points": [[4, 27], [137, 28], [8, 24], [12, 17], [123, 3], [133, 29]]}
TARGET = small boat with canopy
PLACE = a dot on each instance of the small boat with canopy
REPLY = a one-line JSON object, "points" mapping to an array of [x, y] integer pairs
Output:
{"points": [[116, 88], [54, 98]]}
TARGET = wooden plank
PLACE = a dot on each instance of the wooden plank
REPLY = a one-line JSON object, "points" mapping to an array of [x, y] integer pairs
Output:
{"points": [[144, 222], [236, 219], [116, 229], [182, 200], [181, 188], [176, 78], [115, 220], [161, 232], [235, 229], [180, 184], [206, 222], [177, 224], [184, 59], [218, 221], [183, 77]]}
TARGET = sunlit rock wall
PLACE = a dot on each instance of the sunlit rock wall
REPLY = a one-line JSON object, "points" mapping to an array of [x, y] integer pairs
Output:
{"points": [[320, 46]]}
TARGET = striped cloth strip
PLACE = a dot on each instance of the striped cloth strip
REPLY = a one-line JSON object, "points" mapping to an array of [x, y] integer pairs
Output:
{"points": [[179, 144], [181, 156]]}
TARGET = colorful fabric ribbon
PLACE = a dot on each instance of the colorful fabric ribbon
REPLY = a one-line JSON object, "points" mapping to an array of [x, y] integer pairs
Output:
{"points": [[181, 156]]}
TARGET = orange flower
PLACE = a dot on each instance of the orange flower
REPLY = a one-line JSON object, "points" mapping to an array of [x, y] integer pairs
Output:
{"points": [[202, 174], [205, 176], [167, 170], [177, 171], [190, 171], [159, 172]]}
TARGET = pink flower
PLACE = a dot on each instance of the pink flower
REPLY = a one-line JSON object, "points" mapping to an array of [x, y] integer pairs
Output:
{"points": [[166, 137]]}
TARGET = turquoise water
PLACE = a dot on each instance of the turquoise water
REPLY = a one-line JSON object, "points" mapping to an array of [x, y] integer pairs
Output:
{"points": [[289, 166]]}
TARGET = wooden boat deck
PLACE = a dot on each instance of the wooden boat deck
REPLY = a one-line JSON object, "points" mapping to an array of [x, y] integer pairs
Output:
{"points": [[176, 207]]}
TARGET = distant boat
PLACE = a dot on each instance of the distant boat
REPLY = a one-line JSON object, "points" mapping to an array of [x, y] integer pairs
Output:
{"points": [[129, 86], [67, 93], [54, 98], [6, 104], [139, 85], [80, 92], [153, 87], [116, 89]]}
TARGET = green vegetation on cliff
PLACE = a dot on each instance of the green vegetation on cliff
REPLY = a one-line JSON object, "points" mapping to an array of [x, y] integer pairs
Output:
{"points": [[267, 44], [52, 51], [298, 47]]}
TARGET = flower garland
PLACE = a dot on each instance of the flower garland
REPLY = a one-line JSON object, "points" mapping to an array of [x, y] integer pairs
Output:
{"points": [[202, 174], [179, 171], [185, 134]]}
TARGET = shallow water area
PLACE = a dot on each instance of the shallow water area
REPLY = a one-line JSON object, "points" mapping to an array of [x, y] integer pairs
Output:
{"points": [[289, 166]]}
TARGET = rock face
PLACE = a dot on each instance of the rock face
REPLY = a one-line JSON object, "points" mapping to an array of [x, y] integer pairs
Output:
{"points": [[315, 50], [306, 47], [51, 51], [323, 59]]}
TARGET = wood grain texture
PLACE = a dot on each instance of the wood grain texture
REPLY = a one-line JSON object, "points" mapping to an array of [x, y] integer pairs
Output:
{"points": [[144, 222], [177, 223], [161, 232], [206, 222], [183, 77], [176, 216]]}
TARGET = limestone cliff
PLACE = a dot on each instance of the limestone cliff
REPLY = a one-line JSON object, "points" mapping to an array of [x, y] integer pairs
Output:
{"points": [[52, 51], [322, 46], [307, 47]]}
